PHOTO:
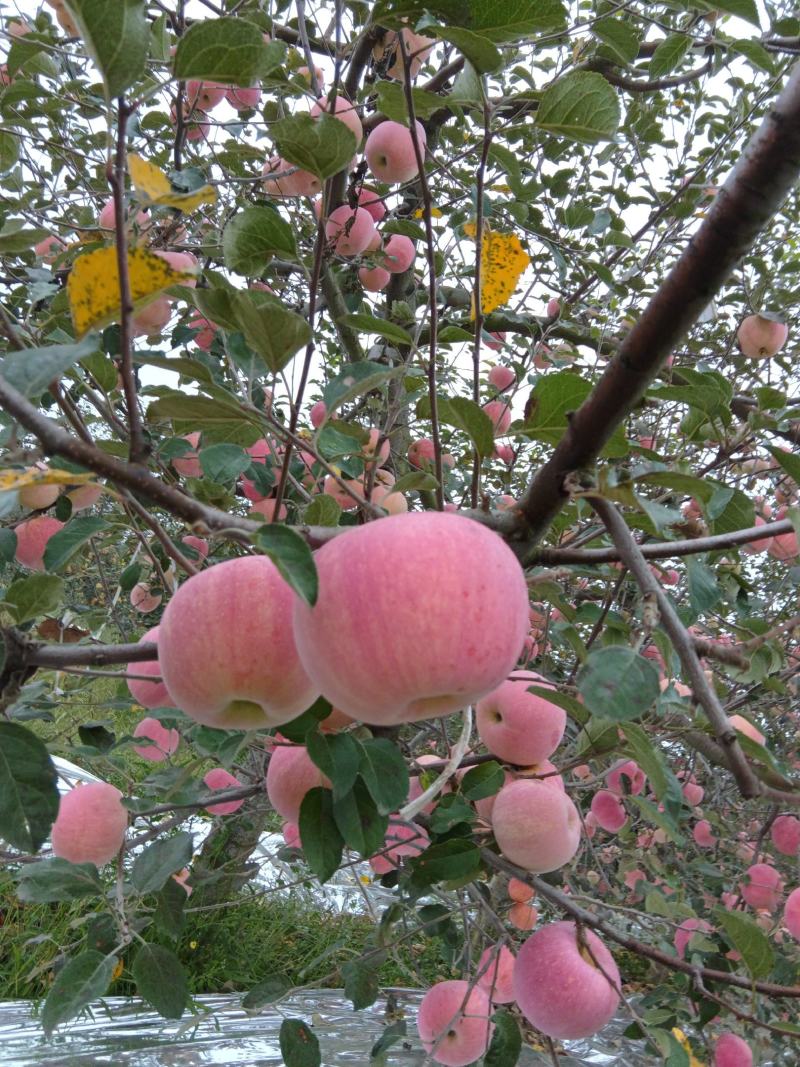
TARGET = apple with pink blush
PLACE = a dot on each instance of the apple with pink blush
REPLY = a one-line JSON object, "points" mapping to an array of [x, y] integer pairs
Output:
{"points": [[791, 914], [730, 1050], [143, 599], [454, 1023], [399, 253], [376, 578], [554, 963], [519, 726], [495, 974], [609, 811], [343, 110], [374, 279], [390, 153], [502, 378], [785, 834], [762, 887], [500, 413], [291, 774], [703, 835], [149, 694], [403, 839], [760, 337], [165, 741], [349, 230], [220, 779], [536, 826], [91, 824], [241, 99], [220, 675], [686, 931]]}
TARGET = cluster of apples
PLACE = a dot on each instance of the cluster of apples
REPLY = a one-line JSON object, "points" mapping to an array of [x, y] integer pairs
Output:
{"points": [[33, 534]]}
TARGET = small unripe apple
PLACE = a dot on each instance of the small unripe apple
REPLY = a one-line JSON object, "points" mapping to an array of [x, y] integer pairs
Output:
{"points": [[399, 252], [343, 110], [390, 154], [219, 778], [32, 538], [454, 1023], [220, 675], [761, 338], [350, 231], [566, 983], [438, 659], [165, 741], [91, 824]]}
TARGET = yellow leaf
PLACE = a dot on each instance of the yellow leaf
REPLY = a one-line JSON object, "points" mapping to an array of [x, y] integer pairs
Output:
{"points": [[470, 229], [435, 213], [679, 1035], [120, 967], [153, 187], [11, 480], [93, 285], [503, 259]]}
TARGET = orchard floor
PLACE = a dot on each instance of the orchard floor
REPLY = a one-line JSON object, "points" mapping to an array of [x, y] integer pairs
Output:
{"points": [[121, 1032]]}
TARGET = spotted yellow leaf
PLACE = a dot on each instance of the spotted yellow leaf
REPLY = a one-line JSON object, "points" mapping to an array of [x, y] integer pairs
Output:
{"points": [[11, 480], [93, 285], [435, 213], [153, 187], [470, 229], [503, 259]]}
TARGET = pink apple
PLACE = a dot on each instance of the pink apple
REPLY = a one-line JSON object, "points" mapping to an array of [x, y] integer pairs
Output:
{"points": [[265, 509], [763, 887], [143, 599], [390, 154], [149, 694], [349, 231], [520, 892], [85, 496], [566, 984], [226, 647], [243, 99], [165, 741], [283, 179], [536, 826], [386, 642], [318, 414], [372, 202], [518, 726], [502, 378], [454, 1023], [205, 95], [206, 331], [703, 834], [399, 251], [188, 464], [553, 309], [150, 321], [199, 544], [686, 931], [91, 824], [106, 220], [791, 914], [32, 538], [785, 834], [609, 811], [731, 1050], [344, 111], [403, 839], [219, 778], [693, 794], [496, 974], [626, 777], [500, 414], [761, 338], [523, 916], [291, 835], [290, 775], [744, 726], [374, 279], [784, 547], [49, 248], [184, 262], [762, 545], [37, 496]]}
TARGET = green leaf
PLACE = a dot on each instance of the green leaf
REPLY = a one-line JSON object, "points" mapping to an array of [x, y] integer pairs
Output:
{"points": [[506, 1046], [361, 983], [392, 1033], [117, 37], [703, 589], [84, 979], [359, 821], [32, 370], [28, 788], [270, 329], [449, 861], [266, 992], [163, 858], [28, 598], [224, 463], [15, 238], [63, 545], [229, 50], [620, 40], [738, 513], [743, 9], [465, 415], [356, 379], [581, 106], [323, 146], [170, 913], [475, 47], [669, 54], [385, 774], [201, 410], [392, 102], [482, 781], [511, 20], [665, 785], [55, 880], [299, 1044], [748, 939], [415, 481], [253, 237], [8, 545], [293, 558], [617, 683], [788, 461], [161, 980], [322, 511], [337, 756], [553, 398], [322, 842], [371, 324], [450, 811]]}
